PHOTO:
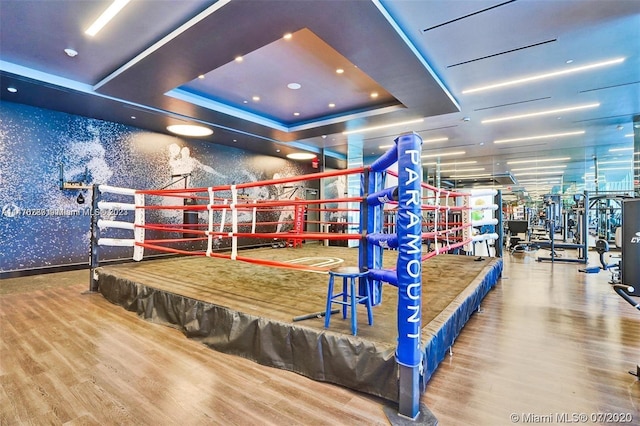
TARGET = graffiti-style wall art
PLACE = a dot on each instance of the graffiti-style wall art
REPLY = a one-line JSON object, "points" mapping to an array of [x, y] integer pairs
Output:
{"points": [[42, 225]]}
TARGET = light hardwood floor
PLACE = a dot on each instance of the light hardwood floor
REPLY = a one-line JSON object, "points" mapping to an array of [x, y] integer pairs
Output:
{"points": [[549, 340]]}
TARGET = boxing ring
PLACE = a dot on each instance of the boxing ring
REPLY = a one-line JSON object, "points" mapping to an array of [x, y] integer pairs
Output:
{"points": [[267, 304]]}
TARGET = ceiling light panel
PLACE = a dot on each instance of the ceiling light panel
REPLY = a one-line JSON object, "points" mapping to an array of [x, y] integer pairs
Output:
{"points": [[106, 16], [189, 130], [541, 113], [539, 160], [443, 154], [538, 137], [544, 76]]}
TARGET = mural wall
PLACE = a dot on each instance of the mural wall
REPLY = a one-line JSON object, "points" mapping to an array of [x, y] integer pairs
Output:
{"points": [[43, 226]]}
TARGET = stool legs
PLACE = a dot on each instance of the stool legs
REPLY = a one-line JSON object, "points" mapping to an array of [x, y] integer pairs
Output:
{"points": [[354, 301], [349, 297], [327, 313]]}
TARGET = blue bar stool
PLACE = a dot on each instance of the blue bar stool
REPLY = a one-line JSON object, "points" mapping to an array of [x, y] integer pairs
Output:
{"points": [[349, 295]]}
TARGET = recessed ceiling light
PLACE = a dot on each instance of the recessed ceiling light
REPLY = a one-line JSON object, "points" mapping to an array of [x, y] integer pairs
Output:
{"points": [[201, 76], [296, 114], [339, 71], [373, 95], [189, 130], [301, 156], [287, 36], [239, 59], [133, 117], [245, 101], [106, 16], [549, 136], [332, 105], [12, 89], [256, 98], [71, 53], [539, 113], [294, 86], [543, 76], [277, 150], [569, 61]]}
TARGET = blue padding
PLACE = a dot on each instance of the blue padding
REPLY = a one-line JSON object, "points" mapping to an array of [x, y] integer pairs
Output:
{"points": [[386, 160], [409, 265], [388, 241], [384, 275], [436, 348], [383, 197], [375, 223]]}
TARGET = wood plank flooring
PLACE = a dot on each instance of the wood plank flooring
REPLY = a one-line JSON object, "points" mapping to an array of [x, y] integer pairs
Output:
{"points": [[548, 340]]}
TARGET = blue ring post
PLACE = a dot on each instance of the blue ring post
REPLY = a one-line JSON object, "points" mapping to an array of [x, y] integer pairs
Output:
{"points": [[409, 270]]}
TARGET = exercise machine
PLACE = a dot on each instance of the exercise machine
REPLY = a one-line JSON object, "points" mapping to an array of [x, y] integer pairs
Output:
{"points": [[625, 291], [602, 247], [582, 200]]}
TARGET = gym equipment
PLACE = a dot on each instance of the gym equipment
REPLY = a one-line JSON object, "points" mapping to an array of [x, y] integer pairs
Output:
{"points": [[624, 291], [602, 247], [581, 246], [630, 270]]}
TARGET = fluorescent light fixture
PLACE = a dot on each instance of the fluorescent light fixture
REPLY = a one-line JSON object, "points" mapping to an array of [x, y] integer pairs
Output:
{"points": [[608, 169], [481, 175], [443, 154], [532, 138], [539, 113], [384, 126], [457, 163], [615, 162], [189, 130], [541, 160], [472, 169], [521, 169], [106, 16], [544, 181], [544, 76], [435, 140], [560, 172], [301, 156], [629, 135], [620, 149]]}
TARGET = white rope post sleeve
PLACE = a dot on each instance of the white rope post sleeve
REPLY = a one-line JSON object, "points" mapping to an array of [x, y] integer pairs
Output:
{"points": [[116, 242], [104, 224], [108, 205], [223, 218], [116, 190], [253, 218], [234, 222], [210, 222], [139, 231]]}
